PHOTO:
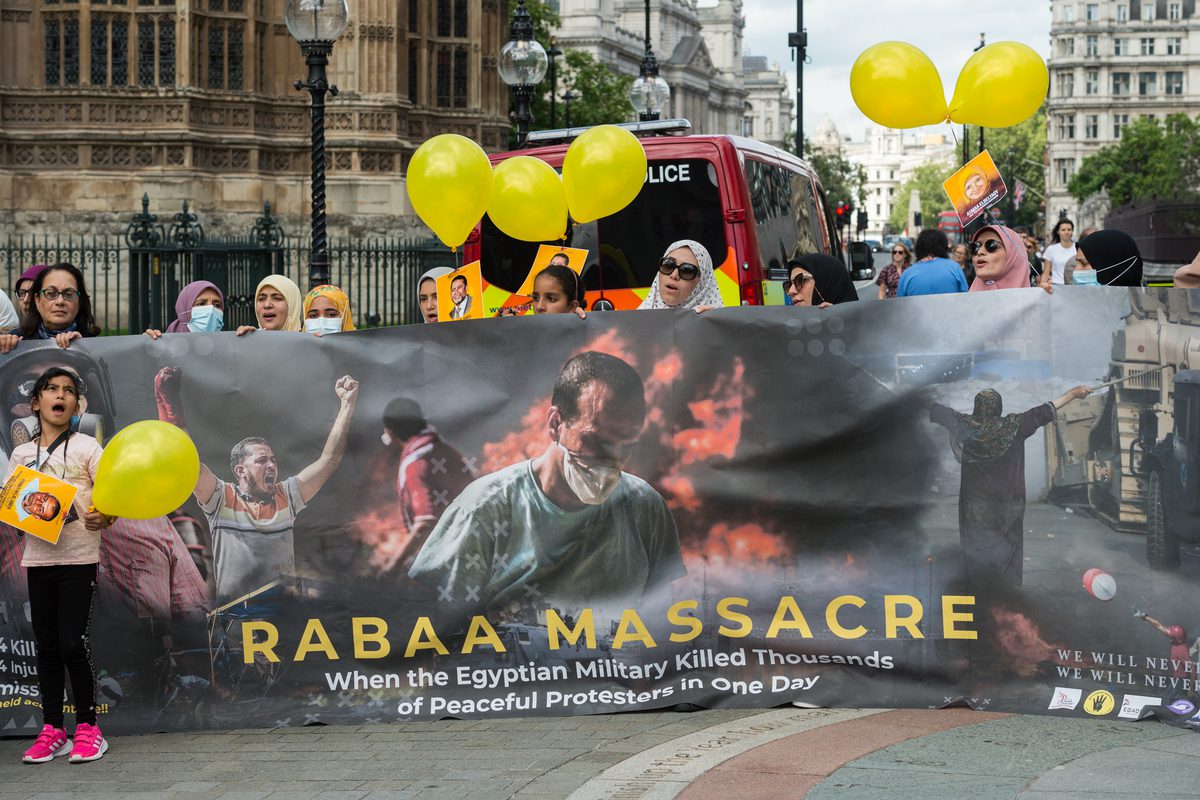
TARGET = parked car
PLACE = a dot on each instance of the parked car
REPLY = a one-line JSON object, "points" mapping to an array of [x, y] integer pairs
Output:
{"points": [[752, 205]]}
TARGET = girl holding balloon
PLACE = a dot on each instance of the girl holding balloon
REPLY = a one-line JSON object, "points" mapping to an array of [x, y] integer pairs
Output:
{"points": [[62, 576]]}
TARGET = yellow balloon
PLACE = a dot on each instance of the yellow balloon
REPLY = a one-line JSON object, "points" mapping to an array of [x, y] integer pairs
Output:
{"points": [[528, 202], [1001, 85], [450, 183], [147, 470], [897, 86], [603, 171]]}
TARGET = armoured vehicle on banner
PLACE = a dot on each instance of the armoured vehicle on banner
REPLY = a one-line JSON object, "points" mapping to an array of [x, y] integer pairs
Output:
{"points": [[1133, 453]]}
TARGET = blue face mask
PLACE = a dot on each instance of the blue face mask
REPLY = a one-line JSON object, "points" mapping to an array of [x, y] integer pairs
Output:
{"points": [[1085, 277], [206, 319], [323, 325]]}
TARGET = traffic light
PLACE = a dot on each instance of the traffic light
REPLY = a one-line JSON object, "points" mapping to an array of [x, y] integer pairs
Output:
{"points": [[842, 211], [861, 220]]}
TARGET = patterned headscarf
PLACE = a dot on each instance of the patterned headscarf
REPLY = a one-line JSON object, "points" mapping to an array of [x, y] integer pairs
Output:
{"points": [[185, 301], [984, 435], [432, 275], [291, 294], [706, 292], [335, 296], [1016, 268]]}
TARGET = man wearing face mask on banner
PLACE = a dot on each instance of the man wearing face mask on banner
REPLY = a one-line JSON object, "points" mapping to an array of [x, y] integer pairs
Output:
{"points": [[568, 526]]}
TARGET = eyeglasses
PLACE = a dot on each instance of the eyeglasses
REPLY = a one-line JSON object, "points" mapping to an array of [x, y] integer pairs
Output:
{"points": [[687, 272], [899, 252], [991, 245], [798, 282], [70, 295], [22, 294]]}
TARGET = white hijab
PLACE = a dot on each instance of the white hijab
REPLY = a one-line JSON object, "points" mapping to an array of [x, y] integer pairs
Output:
{"points": [[706, 292], [433, 275]]}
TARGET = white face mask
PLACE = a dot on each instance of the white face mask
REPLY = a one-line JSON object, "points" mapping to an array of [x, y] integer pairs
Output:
{"points": [[323, 325], [1085, 277], [591, 484], [206, 319]]}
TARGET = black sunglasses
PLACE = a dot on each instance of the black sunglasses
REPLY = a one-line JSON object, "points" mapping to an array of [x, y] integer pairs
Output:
{"points": [[991, 245], [687, 272], [899, 252], [797, 281]]}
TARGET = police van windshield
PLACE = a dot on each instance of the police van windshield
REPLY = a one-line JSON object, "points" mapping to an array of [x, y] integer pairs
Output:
{"points": [[680, 200]]}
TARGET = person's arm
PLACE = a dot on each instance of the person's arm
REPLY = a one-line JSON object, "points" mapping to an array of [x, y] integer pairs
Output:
{"points": [[168, 397], [313, 477], [1152, 622], [1077, 393], [8, 341], [1188, 277], [8, 314]]}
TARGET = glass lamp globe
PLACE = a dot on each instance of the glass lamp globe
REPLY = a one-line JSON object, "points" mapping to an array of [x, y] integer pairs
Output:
{"points": [[316, 20], [649, 94], [522, 63]]}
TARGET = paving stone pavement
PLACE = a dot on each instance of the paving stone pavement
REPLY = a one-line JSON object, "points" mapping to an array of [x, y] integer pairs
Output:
{"points": [[819, 754]]}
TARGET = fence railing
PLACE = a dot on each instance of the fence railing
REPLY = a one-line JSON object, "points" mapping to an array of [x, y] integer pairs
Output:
{"points": [[133, 280]]}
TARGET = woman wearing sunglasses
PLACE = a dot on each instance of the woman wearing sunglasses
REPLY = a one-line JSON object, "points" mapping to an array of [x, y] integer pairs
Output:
{"points": [[889, 279], [1000, 260], [685, 279], [58, 308], [818, 280]]}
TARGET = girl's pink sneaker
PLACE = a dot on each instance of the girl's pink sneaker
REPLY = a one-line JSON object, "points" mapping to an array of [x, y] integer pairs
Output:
{"points": [[90, 745], [50, 742]]}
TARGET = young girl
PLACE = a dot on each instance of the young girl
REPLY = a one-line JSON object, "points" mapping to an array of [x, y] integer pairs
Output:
{"points": [[558, 290], [62, 577]]}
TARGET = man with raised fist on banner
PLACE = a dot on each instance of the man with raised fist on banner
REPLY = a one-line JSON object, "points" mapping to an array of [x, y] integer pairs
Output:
{"points": [[252, 519], [568, 526]]}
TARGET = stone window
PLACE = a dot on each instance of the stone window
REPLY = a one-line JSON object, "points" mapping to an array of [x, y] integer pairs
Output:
{"points": [[61, 50]]}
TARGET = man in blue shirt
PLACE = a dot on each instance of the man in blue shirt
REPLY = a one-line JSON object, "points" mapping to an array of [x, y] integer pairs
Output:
{"points": [[933, 272]]}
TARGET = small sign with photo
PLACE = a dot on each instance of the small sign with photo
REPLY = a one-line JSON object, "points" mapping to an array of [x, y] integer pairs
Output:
{"points": [[975, 188]]}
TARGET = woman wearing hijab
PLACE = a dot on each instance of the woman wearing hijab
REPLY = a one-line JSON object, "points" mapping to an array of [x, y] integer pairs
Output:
{"points": [[816, 279], [1114, 258], [199, 308], [327, 310], [685, 279], [427, 293], [1000, 260], [991, 497], [278, 305]]}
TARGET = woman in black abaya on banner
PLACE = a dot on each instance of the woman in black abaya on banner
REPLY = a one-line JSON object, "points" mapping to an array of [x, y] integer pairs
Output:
{"points": [[991, 497], [818, 280]]}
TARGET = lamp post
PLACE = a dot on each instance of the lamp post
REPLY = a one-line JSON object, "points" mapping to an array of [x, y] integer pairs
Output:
{"points": [[798, 41], [316, 25], [522, 66], [569, 97], [553, 53], [649, 93]]}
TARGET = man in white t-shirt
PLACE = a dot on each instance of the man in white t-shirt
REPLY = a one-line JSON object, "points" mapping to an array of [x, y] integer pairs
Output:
{"points": [[1060, 251], [251, 519]]}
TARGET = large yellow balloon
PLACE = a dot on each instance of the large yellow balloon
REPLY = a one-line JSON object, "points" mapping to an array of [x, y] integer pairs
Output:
{"points": [[450, 184], [897, 86], [603, 171], [147, 470], [528, 202], [1001, 85]]}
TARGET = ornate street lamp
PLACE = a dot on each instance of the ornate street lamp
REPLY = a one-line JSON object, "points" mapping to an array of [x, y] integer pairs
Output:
{"points": [[316, 25], [554, 53], [522, 67], [649, 94]]}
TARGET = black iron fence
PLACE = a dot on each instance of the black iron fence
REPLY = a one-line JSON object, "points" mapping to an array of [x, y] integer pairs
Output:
{"points": [[134, 280]]}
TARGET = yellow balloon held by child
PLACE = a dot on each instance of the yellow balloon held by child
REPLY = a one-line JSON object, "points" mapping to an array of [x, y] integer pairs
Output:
{"points": [[147, 470]]}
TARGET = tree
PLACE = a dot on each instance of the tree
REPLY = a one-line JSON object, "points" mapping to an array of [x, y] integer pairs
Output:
{"points": [[927, 179], [1020, 154], [842, 178], [1151, 159]]}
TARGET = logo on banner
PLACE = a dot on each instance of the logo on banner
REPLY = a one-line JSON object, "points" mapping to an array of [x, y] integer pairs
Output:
{"points": [[1132, 705], [1182, 707], [1099, 703], [1065, 698]]}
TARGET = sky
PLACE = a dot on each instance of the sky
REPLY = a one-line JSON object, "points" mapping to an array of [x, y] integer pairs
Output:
{"points": [[839, 30]]}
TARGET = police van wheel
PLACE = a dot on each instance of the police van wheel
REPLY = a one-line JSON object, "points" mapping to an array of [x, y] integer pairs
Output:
{"points": [[1162, 547]]}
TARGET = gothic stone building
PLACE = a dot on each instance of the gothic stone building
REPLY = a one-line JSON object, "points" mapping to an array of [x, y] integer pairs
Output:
{"points": [[102, 100]]}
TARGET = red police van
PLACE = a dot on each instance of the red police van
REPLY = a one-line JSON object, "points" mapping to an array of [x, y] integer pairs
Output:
{"points": [[752, 205]]}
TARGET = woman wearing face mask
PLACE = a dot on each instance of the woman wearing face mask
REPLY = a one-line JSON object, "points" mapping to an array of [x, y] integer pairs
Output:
{"points": [[427, 293], [278, 305], [200, 308], [59, 309], [1000, 260], [1113, 258], [818, 280], [685, 279], [327, 310]]}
